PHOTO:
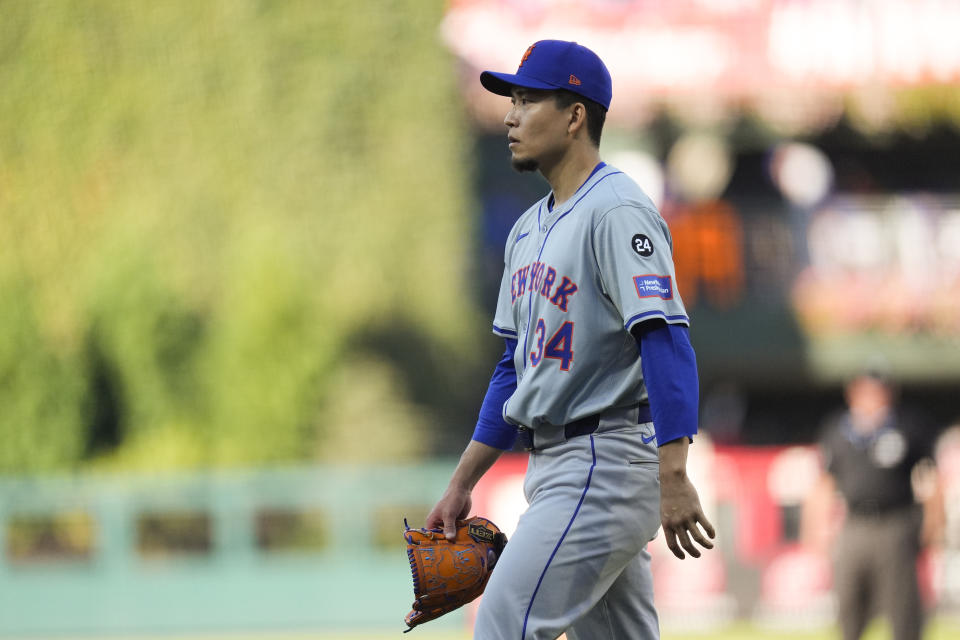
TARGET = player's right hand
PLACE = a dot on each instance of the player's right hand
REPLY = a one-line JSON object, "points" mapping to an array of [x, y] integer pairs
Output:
{"points": [[453, 505]]}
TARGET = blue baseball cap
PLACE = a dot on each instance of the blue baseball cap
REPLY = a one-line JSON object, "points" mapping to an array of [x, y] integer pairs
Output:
{"points": [[556, 64]]}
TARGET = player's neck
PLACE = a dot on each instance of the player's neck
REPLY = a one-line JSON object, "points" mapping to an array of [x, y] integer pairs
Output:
{"points": [[571, 171]]}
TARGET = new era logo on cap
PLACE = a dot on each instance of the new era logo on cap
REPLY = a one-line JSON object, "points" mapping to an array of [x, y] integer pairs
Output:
{"points": [[556, 64], [526, 55]]}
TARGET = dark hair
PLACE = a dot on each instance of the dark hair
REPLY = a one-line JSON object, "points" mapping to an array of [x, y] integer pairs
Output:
{"points": [[596, 114]]}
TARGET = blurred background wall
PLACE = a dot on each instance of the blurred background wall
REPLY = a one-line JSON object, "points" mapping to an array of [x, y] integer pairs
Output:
{"points": [[253, 245], [230, 230]]}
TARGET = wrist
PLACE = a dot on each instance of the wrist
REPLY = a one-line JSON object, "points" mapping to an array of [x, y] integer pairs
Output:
{"points": [[669, 474], [461, 485], [673, 459]]}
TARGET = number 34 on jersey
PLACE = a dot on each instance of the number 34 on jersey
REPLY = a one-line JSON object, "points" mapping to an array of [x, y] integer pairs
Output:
{"points": [[558, 347]]}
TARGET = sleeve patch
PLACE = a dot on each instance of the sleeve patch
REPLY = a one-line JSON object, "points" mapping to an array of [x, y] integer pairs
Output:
{"points": [[642, 245], [654, 286]]}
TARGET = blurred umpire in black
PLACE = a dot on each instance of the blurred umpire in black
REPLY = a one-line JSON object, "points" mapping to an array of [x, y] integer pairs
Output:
{"points": [[874, 458]]}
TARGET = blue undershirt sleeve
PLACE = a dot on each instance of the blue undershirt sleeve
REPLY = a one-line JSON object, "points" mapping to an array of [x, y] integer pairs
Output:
{"points": [[670, 374], [491, 428]]}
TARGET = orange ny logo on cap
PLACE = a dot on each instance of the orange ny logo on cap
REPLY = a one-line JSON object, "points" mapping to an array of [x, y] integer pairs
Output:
{"points": [[527, 54], [574, 80]]}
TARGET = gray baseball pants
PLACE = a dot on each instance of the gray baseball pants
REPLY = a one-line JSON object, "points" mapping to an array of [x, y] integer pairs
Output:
{"points": [[577, 562]]}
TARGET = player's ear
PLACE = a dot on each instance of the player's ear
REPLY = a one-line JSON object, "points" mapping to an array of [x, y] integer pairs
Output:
{"points": [[578, 118]]}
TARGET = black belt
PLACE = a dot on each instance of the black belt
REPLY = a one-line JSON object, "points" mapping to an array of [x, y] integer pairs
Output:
{"points": [[581, 427]]}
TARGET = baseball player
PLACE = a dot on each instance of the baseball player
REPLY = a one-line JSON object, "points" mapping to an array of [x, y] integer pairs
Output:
{"points": [[598, 380]]}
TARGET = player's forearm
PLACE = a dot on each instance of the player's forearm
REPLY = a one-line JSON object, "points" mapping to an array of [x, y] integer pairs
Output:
{"points": [[491, 428], [670, 374], [673, 459], [477, 458]]}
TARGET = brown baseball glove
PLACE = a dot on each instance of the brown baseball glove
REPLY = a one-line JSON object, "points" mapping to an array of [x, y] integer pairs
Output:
{"points": [[448, 575]]}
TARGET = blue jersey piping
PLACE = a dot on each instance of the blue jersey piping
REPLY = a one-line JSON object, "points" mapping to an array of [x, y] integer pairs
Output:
{"points": [[653, 313], [593, 451], [547, 237], [506, 332], [600, 165]]}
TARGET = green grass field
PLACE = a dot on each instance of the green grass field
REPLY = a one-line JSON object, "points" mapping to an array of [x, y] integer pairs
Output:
{"points": [[937, 630], [942, 629]]}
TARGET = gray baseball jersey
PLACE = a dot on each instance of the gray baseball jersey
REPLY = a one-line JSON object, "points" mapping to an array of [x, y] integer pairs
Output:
{"points": [[576, 280]]}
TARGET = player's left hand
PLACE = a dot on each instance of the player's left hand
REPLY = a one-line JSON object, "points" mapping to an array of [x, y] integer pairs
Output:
{"points": [[452, 507], [680, 515]]}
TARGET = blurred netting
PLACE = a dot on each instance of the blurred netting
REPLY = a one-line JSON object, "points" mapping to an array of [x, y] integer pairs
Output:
{"points": [[222, 223]]}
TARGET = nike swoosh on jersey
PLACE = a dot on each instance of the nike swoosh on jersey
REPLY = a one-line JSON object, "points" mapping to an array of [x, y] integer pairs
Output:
{"points": [[647, 440], [521, 237]]}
